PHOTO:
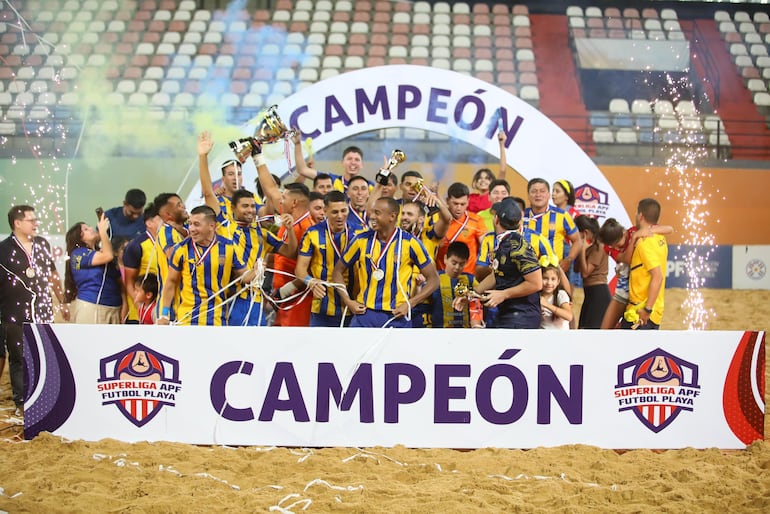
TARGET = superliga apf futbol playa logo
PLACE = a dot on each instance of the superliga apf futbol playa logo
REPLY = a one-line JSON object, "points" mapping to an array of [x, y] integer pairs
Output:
{"points": [[657, 387], [139, 382]]}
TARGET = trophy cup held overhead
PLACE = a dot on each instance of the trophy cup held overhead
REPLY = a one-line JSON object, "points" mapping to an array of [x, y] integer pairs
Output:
{"points": [[271, 130], [396, 158]]}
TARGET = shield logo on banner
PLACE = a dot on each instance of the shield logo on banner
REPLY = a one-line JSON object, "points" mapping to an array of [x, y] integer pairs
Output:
{"points": [[139, 381], [655, 380]]}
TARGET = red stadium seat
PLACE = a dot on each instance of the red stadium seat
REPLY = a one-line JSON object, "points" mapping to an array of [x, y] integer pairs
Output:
{"points": [[502, 20], [479, 8], [500, 9], [481, 19], [341, 16], [502, 30], [482, 53], [630, 12], [482, 42]]}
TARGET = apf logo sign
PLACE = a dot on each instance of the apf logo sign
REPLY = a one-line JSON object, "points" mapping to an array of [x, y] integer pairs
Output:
{"points": [[591, 201], [139, 381], [656, 387]]}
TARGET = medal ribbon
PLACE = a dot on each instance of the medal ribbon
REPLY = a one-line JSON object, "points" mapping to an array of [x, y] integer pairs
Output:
{"points": [[460, 230], [499, 238], [362, 219], [30, 256], [384, 252], [330, 237], [198, 256]]}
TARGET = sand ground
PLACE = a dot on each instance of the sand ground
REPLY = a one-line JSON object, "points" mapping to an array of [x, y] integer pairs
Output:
{"points": [[51, 475]]}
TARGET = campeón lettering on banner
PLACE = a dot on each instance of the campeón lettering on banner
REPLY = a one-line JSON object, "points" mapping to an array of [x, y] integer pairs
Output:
{"points": [[446, 102], [419, 388]]}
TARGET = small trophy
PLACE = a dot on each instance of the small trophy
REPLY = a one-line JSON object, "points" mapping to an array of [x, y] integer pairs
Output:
{"points": [[475, 309], [396, 158], [271, 130]]}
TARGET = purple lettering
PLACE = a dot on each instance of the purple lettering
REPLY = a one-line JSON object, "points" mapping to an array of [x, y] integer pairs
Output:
{"points": [[294, 121], [360, 385], [435, 103], [484, 394], [284, 374], [549, 385], [335, 114], [217, 390], [380, 101], [394, 397], [409, 97], [444, 392]]}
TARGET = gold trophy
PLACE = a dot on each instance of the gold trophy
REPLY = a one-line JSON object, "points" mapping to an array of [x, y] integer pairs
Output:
{"points": [[475, 309], [396, 158], [271, 130], [463, 291]]}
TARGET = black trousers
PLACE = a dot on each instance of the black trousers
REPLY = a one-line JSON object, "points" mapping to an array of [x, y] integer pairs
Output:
{"points": [[14, 342]]}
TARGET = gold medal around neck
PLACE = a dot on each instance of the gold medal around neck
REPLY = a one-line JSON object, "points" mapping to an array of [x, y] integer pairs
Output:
{"points": [[378, 274], [29, 272]]}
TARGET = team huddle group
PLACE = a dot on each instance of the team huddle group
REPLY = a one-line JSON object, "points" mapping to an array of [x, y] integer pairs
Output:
{"points": [[348, 253]]}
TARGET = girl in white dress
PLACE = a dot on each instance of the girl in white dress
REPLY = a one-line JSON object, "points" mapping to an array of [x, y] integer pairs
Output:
{"points": [[555, 302]]}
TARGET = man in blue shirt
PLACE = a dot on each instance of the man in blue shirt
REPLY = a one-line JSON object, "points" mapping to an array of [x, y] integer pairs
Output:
{"points": [[126, 220]]}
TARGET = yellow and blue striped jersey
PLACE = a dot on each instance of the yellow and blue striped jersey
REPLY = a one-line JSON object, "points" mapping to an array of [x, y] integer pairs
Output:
{"points": [[140, 255], [321, 245], [203, 273], [539, 244], [167, 237], [252, 242], [554, 224], [225, 207], [394, 258], [444, 316]]}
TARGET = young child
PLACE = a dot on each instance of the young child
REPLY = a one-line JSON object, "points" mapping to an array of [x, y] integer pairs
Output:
{"points": [[444, 314], [619, 243], [555, 302], [145, 296]]}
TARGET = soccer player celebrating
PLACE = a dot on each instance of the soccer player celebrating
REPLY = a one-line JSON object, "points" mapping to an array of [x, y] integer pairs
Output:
{"points": [[382, 260], [200, 267], [321, 248]]}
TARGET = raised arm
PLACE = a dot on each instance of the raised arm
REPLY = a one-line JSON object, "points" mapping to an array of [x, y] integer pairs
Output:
{"points": [[302, 168], [205, 144], [269, 188], [106, 253], [503, 163]]}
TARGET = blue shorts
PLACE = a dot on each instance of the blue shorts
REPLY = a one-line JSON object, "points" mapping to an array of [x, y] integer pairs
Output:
{"points": [[323, 320], [239, 312], [376, 319], [422, 316]]}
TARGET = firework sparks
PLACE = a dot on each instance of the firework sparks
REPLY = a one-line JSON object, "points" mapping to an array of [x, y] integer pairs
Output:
{"points": [[687, 147]]}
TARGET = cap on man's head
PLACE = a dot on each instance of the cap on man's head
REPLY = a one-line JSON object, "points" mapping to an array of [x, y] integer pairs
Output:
{"points": [[508, 211]]}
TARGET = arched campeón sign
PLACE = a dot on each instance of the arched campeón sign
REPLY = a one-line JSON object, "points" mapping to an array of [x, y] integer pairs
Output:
{"points": [[459, 106]]}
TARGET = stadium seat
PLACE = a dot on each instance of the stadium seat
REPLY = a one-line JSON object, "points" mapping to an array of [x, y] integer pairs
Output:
{"points": [[603, 135]]}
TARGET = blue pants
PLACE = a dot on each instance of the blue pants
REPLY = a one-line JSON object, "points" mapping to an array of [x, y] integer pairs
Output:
{"points": [[517, 319], [323, 320], [376, 319], [240, 309]]}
